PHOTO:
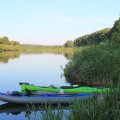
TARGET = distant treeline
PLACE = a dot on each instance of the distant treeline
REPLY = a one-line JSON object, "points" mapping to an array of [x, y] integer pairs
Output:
{"points": [[8, 45], [57, 49], [95, 38]]}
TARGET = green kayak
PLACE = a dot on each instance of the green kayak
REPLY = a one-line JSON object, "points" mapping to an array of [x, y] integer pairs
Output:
{"points": [[65, 89]]}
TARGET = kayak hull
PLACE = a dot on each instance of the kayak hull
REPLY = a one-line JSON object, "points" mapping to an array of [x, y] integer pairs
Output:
{"points": [[46, 98]]}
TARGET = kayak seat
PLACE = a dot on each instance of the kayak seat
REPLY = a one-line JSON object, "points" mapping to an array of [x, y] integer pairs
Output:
{"points": [[28, 92], [21, 83]]}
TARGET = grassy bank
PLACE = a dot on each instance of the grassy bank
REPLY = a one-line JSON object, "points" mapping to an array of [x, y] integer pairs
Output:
{"points": [[47, 49], [98, 64], [6, 47]]}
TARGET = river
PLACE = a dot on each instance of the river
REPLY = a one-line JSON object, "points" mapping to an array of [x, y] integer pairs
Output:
{"points": [[41, 69]]}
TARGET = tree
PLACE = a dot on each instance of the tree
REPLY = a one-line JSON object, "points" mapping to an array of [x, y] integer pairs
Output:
{"points": [[115, 32], [93, 38], [4, 40], [69, 43]]}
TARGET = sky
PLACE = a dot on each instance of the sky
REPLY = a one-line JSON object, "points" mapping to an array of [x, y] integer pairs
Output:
{"points": [[53, 22]]}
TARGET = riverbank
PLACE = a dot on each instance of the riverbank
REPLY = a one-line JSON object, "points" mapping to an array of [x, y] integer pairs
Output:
{"points": [[49, 49]]}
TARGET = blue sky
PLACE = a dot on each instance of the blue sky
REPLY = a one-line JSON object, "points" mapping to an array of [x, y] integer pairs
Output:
{"points": [[51, 22]]}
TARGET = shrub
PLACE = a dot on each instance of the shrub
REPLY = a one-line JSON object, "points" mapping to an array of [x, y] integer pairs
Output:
{"points": [[100, 63]]}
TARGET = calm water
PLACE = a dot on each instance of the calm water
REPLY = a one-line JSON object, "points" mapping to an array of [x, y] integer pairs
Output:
{"points": [[37, 69]]}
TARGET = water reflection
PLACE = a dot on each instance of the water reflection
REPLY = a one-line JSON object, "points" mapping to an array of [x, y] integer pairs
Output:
{"points": [[68, 55], [6, 56], [27, 109]]}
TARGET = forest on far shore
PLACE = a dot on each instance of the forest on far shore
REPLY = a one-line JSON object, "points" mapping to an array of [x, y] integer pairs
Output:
{"points": [[8, 45]]}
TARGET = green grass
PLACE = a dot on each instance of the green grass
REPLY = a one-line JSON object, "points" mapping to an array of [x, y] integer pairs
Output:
{"points": [[46, 49], [98, 65]]}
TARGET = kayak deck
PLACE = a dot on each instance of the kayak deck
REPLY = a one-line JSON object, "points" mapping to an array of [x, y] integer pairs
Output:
{"points": [[65, 90]]}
